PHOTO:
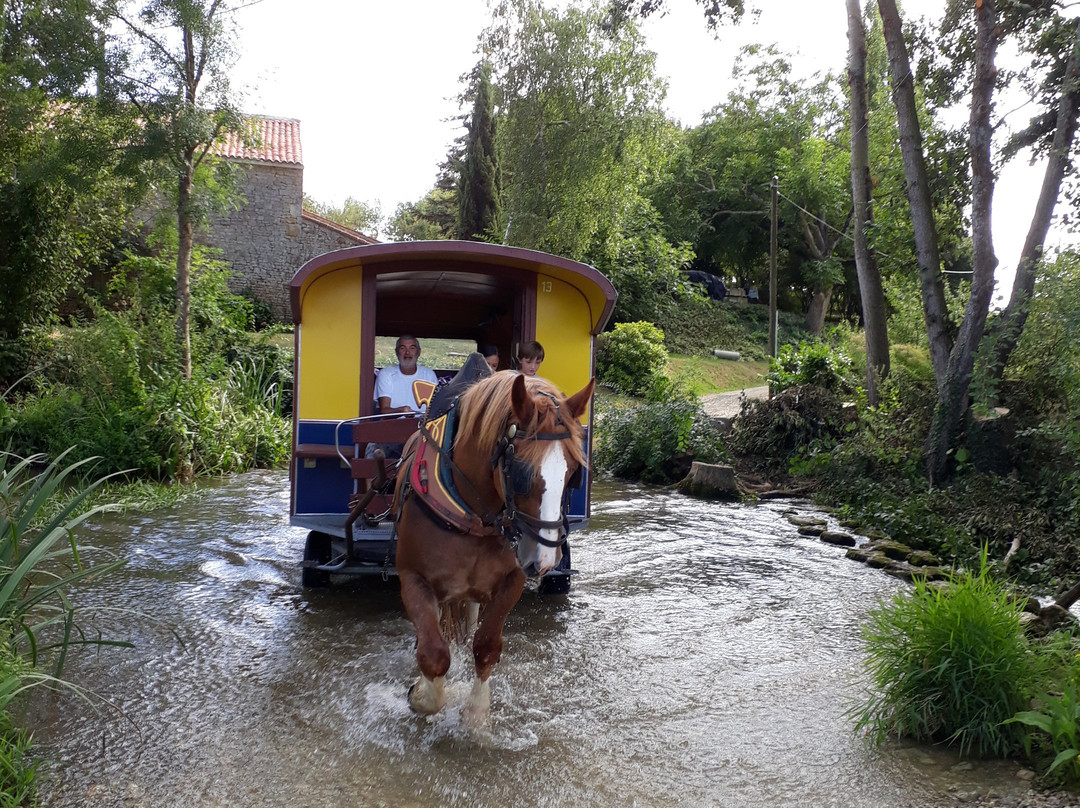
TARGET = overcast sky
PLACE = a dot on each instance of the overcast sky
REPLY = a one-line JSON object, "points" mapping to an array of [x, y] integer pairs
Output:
{"points": [[373, 83]]}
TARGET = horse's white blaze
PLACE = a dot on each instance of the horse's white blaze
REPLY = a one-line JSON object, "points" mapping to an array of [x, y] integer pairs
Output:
{"points": [[553, 471]]}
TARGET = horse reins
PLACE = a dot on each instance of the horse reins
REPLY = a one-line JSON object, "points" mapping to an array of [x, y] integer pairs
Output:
{"points": [[510, 522], [514, 523]]}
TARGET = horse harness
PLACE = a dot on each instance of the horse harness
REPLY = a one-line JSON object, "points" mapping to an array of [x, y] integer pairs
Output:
{"points": [[438, 493]]}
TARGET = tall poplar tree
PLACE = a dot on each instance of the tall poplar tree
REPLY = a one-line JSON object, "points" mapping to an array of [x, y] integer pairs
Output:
{"points": [[478, 185]]}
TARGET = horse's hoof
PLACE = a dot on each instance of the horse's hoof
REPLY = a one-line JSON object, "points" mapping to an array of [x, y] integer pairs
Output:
{"points": [[427, 697], [477, 707]]}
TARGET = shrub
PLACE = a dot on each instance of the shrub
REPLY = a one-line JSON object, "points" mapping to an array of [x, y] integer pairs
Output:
{"points": [[791, 424], [262, 315], [948, 664], [632, 357], [1058, 719], [809, 363], [655, 441]]}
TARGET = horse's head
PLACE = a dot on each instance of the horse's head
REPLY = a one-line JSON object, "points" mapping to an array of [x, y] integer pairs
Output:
{"points": [[520, 442], [548, 452]]}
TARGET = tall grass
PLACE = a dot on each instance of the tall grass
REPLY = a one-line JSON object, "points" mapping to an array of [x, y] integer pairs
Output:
{"points": [[40, 560], [950, 665]]}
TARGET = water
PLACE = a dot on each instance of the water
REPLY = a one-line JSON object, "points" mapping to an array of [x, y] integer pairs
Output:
{"points": [[705, 657]]}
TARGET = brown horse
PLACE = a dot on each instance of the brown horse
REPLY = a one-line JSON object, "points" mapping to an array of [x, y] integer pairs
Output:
{"points": [[518, 443]]}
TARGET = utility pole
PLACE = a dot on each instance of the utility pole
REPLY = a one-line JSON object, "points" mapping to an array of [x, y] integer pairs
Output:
{"points": [[774, 186]]}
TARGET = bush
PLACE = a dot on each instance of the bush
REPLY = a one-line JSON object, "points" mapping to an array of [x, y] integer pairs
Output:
{"points": [[632, 358], [792, 424], [655, 441], [948, 665], [1058, 719], [809, 363], [262, 315], [698, 327]]}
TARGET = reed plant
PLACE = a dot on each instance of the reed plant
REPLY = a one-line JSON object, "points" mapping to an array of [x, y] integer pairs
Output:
{"points": [[949, 664], [40, 561]]}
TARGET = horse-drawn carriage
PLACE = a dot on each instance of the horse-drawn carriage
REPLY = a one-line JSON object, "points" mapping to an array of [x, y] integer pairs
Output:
{"points": [[342, 301]]}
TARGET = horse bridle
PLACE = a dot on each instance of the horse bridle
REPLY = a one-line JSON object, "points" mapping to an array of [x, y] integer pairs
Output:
{"points": [[517, 476]]}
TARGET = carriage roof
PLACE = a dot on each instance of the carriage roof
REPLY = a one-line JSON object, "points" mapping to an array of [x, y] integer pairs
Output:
{"points": [[462, 276]]}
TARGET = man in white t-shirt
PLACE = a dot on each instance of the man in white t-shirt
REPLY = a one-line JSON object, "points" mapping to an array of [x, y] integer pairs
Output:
{"points": [[394, 387]]}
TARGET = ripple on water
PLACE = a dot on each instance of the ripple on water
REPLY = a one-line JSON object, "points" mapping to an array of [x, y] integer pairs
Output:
{"points": [[706, 656]]}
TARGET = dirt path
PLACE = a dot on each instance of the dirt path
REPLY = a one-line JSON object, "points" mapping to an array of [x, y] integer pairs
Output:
{"points": [[726, 405]]}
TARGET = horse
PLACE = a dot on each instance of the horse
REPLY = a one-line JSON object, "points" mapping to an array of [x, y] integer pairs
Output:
{"points": [[518, 443]]}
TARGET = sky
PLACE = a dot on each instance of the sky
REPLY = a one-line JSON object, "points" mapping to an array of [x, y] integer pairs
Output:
{"points": [[373, 85]]}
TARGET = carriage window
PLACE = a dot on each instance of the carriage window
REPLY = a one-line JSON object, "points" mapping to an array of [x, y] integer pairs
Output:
{"points": [[438, 354]]}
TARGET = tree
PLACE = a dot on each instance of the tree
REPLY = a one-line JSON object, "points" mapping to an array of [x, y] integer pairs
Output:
{"points": [[715, 190], [1057, 148], [363, 217], [973, 50], [178, 81], [478, 185], [870, 287], [581, 124], [64, 185]]}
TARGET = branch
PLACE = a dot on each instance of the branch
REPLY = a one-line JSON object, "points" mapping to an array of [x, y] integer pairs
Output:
{"points": [[1014, 548], [148, 37]]}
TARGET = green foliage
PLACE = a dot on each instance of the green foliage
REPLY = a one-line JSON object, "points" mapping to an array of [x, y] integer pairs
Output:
{"points": [[112, 389], [656, 440], [809, 363], [789, 426], [645, 269], [631, 358], [262, 315], [1058, 719], [431, 218], [364, 217], [479, 184], [39, 562], [948, 665], [699, 326], [582, 126], [17, 775]]}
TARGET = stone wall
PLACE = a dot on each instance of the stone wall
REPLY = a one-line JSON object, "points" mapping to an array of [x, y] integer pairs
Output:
{"points": [[267, 239], [262, 240]]}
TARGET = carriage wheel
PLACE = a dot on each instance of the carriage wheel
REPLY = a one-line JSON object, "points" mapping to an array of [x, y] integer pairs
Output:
{"points": [[557, 584], [317, 548]]}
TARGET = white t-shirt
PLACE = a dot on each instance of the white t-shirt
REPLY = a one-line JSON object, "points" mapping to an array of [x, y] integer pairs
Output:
{"points": [[393, 384]]}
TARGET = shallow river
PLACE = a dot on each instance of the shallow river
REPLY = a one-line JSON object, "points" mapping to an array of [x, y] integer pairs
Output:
{"points": [[705, 657]]}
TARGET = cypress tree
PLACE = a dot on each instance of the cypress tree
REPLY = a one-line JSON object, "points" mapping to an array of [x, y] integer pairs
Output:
{"points": [[478, 185]]}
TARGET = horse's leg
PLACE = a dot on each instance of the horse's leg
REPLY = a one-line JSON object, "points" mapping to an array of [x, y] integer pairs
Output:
{"points": [[488, 643], [427, 695], [472, 619]]}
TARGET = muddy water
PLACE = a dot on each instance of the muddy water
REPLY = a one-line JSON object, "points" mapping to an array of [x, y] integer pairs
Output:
{"points": [[705, 657]]}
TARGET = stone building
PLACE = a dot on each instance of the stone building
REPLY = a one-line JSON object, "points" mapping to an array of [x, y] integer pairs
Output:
{"points": [[270, 235]]}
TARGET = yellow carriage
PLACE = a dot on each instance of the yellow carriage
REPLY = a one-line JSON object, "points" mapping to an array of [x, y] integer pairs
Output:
{"points": [[342, 301]]}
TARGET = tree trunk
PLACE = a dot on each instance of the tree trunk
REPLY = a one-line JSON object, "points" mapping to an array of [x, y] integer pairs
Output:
{"points": [[818, 308], [918, 191], [870, 288], [186, 233], [1011, 324], [952, 401]]}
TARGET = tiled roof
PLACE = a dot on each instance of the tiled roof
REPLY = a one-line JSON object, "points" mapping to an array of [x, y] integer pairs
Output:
{"points": [[277, 140]]}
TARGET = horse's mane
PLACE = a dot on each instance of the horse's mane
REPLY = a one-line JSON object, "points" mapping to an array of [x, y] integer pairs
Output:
{"points": [[485, 415]]}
